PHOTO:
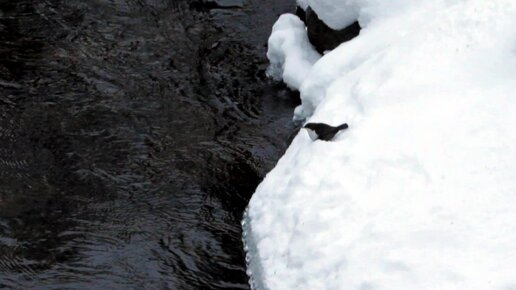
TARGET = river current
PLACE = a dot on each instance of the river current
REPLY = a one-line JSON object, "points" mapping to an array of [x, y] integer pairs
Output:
{"points": [[132, 135]]}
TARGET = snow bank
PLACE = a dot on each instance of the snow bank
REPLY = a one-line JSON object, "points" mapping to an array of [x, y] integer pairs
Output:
{"points": [[303, 4], [290, 53], [420, 191], [338, 14]]}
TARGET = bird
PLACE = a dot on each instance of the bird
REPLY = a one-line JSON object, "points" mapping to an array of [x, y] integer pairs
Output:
{"points": [[321, 131]]}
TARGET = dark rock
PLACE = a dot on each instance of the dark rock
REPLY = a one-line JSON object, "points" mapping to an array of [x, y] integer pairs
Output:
{"points": [[325, 38], [300, 12]]}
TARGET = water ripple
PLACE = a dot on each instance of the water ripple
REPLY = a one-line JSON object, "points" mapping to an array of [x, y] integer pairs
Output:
{"points": [[132, 134]]}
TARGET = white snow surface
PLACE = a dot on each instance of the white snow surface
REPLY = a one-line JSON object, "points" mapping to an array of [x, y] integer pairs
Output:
{"points": [[303, 4], [290, 53], [338, 14], [420, 191]]}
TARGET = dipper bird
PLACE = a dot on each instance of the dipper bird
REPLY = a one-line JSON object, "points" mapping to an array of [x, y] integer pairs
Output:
{"points": [[323, 131]]}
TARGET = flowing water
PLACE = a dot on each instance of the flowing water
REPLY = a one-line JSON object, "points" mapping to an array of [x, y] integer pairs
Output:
{"points": [[132, 135]]}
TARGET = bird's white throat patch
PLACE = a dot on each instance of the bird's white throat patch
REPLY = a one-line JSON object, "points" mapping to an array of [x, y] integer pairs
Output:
{"points": [[312, 134]]}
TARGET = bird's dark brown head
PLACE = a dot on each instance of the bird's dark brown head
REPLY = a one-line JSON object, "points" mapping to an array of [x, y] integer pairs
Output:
{"points": [[314, 126]]}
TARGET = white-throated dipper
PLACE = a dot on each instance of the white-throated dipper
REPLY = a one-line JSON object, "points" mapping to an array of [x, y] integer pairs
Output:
{"points": [[323, 131]]}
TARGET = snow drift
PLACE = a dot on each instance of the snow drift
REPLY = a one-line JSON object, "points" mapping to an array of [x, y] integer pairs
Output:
{"points": [[420, 191]]}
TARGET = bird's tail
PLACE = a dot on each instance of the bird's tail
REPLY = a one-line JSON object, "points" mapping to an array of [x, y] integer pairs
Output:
{"points": [[343, 126]]}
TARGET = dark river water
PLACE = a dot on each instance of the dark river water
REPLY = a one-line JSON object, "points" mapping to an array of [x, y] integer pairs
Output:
{"points": [[132, 135]]}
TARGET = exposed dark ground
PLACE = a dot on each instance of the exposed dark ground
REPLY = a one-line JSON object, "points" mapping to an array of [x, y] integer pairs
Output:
{"points": [[132, 135]]}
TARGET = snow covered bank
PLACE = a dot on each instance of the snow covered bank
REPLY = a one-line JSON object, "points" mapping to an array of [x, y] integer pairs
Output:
{"points": [[290, 53], [420, 191]]}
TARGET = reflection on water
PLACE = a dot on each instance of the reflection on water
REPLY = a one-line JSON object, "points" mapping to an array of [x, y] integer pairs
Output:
{"points": [[132, 134]]}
